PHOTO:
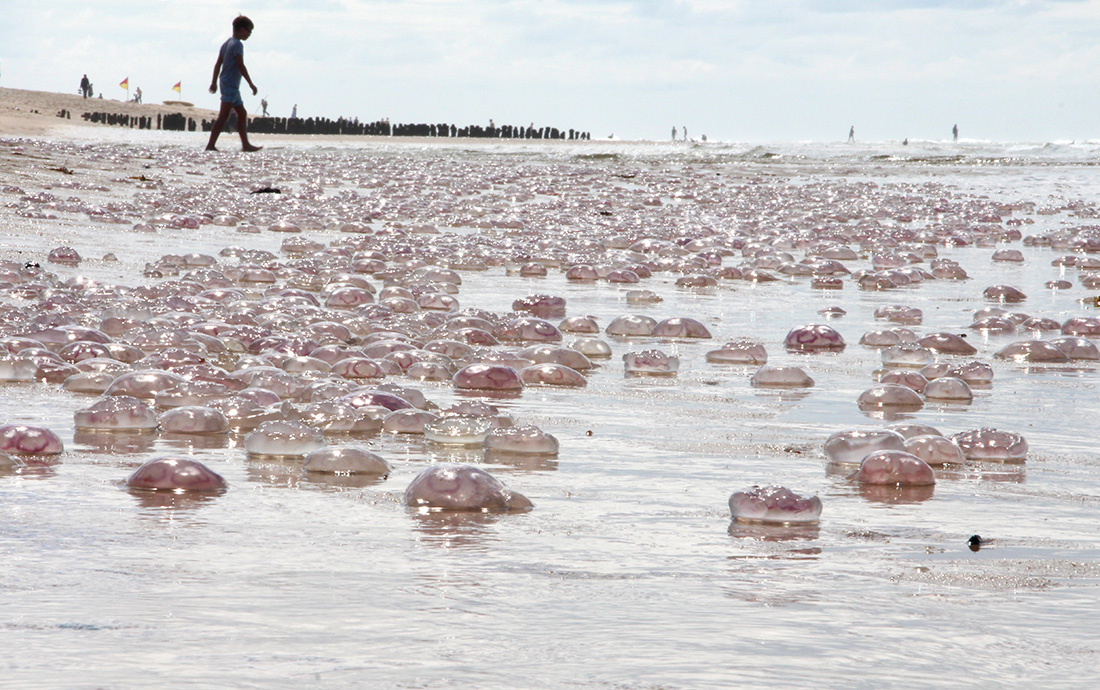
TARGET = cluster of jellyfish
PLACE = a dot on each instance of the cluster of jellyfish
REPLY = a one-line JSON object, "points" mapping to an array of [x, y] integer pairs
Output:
{"points": [[297, 347]]}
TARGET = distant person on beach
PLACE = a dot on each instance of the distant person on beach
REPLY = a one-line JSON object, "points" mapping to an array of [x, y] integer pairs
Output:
{"points": [[137, 95], [685, 133], [674, 133], [231, 67], [85, 87], [294, 111], [852, 134], [955, 133], [263, 106]]}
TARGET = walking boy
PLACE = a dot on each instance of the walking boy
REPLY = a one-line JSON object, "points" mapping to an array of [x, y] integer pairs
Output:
{"points": [[231, 66]]}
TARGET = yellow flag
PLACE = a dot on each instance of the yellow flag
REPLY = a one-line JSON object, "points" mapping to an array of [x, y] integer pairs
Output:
{"points": [[176, 88], [125, 83]]}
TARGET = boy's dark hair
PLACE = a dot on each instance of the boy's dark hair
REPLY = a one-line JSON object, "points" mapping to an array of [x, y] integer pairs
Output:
{"points": [[242, 22]]}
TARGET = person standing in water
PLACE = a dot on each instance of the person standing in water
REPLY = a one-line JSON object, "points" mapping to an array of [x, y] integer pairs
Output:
{"points": [[955, 133], [852, 134], [231, 67]]}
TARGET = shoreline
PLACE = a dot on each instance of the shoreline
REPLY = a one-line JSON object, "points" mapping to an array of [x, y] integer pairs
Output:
{"points": [[27, 113]]}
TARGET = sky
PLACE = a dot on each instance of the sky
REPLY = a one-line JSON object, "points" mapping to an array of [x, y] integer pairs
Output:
{"points": [[752, 71]]}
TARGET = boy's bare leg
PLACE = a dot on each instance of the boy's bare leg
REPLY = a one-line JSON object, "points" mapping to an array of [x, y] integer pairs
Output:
{"points": [[223, 115], [242, 129]]}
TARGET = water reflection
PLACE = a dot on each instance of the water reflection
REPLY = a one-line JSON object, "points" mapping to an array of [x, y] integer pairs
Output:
{"points": [[892, 494], [454, 528], [341, 480], [115, 443], [487, 394], [195, 441], [173, 500], [758, 531], [890, 415], [525, 462], [1014, 473], [37, 471], [784, 395], [280, 471], [460, 455]]}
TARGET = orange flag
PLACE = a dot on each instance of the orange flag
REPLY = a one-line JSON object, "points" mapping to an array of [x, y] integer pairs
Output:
{"points": [[125, 83], [176, 88]]}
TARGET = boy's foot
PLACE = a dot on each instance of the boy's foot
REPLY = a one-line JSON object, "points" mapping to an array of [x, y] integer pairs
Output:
{"points": [[211, 148], [250, 147]]}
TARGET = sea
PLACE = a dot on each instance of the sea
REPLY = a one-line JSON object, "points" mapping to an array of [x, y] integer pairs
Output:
{"points": [[628, 572]]}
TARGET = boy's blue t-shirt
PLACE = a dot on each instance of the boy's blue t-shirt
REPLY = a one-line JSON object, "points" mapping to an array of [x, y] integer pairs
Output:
{"points": [[231, 76]]}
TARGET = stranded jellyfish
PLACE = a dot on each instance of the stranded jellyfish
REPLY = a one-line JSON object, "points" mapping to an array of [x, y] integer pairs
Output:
{"points": [[494, 377], [15, 368], [910, 429], [458, 430], [407, 421], [775, 376], [193, 419], [974, 373], [774, 505], [880, 338], [631, 325], [1003, 293], [449, 486], [905, 377], [680, 327], [947, 344], [650, 363], [117, 413], [850, 447], [991, 444], [1076, 348], [889, 396], [175, 474], [592, 348], [934, 449], [906, 355], [550, 374], [1039, 351], [64, 255], [346, 460], [527, 439], [283, 437], [895, 468], [814, 337], [144, 384], [29, 440], [642, 297], [948, 388], [543, 306], [742, 351], [555, 354]]}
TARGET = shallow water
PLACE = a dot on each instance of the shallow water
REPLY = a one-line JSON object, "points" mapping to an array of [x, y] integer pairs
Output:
{"points": [[627, 572]]}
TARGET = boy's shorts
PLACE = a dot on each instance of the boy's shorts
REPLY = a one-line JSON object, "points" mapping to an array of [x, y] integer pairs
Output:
{"points": [[232, 94]]}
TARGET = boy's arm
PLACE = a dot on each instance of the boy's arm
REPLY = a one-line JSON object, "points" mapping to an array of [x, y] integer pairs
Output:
{"points": [[217, 71], [244, 73]]}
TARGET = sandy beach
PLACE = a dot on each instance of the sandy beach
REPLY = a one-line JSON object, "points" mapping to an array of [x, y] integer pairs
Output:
{"points": [[629, 570], [35, 113]]}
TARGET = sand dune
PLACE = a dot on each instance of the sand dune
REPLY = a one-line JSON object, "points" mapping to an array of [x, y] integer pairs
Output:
{"points": [[35, 113]]}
